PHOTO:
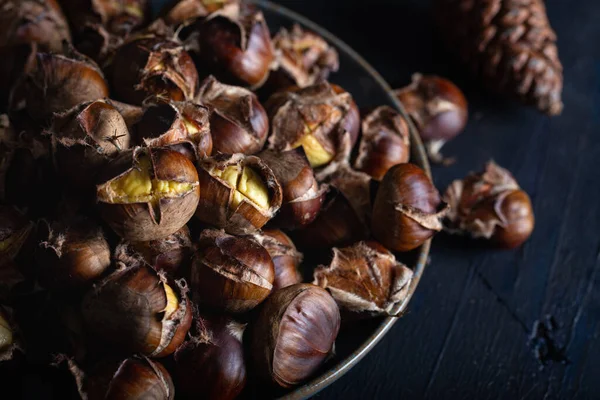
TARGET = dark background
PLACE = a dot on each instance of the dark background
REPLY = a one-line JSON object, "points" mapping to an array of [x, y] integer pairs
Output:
{"points": [[466, 334]]}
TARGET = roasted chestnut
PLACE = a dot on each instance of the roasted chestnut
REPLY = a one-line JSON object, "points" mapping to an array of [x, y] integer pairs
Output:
{"points": [[153, 63], [33, 21], [181, 12], [236, 46], [313, 118], [439, 110], [286, 259], [15, 228], [491, 205], [133, 378], [365, 280], [294, 334], [385, 142], [71, 254], [148, 193], [174, 124], [238, 122], [60, 82], [239, 193], [211, 364], [230, 273], [137, 310], [407, 209], [302, 194], [85, 139]]}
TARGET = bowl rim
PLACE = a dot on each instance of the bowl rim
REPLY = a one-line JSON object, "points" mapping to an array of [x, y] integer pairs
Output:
{"points": [[320, 382]]}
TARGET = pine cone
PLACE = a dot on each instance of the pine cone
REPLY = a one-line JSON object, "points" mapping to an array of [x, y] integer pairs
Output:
{"points": [[509, 44]]}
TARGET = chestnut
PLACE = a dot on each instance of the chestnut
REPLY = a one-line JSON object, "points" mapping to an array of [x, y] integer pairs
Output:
{"points": [[385, 142], [439, 110], [137, 310], [8, 334], [182, 12], [71, 254], [236, 47], [303, 59], [15, 229], [60, 82], [491, 205], [33, 21], [168, 254], [407, 210], [303, 196], [85, 139], [176, 123], [148, 193], [365, 279], [152, 63], [293, 334], [239, 193], [286, 259], [238, 122], [229, 273], [211, 364], [313, 118], [133, 378]]}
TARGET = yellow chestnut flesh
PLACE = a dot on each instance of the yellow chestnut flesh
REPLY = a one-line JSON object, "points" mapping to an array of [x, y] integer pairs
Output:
{"points": [[191, 127], [172, 301], [248, 184], [6, 336]]}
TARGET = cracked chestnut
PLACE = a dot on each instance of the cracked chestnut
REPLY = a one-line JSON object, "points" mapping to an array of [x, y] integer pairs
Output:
{"points": [[286, 258]]}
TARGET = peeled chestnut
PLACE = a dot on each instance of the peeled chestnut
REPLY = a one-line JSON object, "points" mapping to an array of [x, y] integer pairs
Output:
{"points": [[148, 193], [365, 280], [385, 142], [229, 273], [181, 12], [174, 124], [137, 310], [294, 334], [60, 82], [286, 259], [239, 193], [491, 205], [33, 21], [130, 379], [15, 228], [236, 47], [302, 194], [211, 364], [407, 209], [8, 334], [153, 63], [238, 122], [85, 139], [438, 108], [71, 254], [167, 254], [314, 118]]}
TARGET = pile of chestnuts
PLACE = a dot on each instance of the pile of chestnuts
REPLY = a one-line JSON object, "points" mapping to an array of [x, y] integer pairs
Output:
{"points": [[189, 208]]}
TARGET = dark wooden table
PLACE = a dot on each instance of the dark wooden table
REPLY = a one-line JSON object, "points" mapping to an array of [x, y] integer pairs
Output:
{"points": [[466, 335]]}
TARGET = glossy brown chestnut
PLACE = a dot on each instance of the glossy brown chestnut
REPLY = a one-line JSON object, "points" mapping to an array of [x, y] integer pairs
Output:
{"points": [[15, 229], [230, 273], [438, 108], [153, 63], [385, 142], [302, 195], [491, 205], [313, 118], [174, 124], [71, 254], [237, 49], [137, 310], [407, 210], [239, 193], [351, 122], [148, 193], [133, 378], [238, 122], [286, 259], [365, 280], [185, 11], [84, 140], [294, 334], [211, 364], [33, 21]]}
